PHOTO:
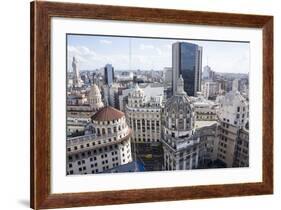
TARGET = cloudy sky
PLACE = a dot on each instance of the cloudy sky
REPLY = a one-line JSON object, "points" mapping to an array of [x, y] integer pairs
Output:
{"points": [[93, 52]]}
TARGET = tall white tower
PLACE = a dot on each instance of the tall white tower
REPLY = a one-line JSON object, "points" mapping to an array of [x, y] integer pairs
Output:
{"points": [[76, 76]]}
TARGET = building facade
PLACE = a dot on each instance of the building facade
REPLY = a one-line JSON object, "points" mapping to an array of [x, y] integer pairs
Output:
{"points": [[144, 117], [105, 145], [94, 98], [233, 114], [187, 61], [181, 147], [108, 74]]}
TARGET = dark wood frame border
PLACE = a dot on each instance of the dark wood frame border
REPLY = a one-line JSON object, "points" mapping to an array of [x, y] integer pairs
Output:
{"points": [[41, 14]]}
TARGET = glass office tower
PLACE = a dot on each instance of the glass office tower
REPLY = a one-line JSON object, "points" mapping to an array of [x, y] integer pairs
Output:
{"points": [[187, 61], [108, 74]]}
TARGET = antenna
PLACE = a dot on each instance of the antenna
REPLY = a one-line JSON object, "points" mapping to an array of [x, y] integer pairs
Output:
{"points": [[134, 140]]}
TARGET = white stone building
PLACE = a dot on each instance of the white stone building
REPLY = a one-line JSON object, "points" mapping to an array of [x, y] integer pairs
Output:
{"points": [[105, 145], [186, 146], [233, 114], [94, 98], [205, 110], [144, 116], [76, 80], [79, 114], [168, 75], [210, 89]]}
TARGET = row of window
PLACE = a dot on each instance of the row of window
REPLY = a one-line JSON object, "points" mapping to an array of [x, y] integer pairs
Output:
{"points": [[92, 152]]}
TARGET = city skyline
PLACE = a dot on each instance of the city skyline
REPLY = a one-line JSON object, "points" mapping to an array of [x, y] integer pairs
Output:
{"points": [[94, 52]]}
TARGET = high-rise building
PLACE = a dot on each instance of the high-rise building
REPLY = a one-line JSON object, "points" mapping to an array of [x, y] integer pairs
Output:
{"points": [[77, 82], [187, 61], [168, 75], [208, 73], [233, 114], [108, 74]]}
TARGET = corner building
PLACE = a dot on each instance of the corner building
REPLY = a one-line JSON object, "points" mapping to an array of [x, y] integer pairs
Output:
{"points": [[105, 145], [181, 147]]}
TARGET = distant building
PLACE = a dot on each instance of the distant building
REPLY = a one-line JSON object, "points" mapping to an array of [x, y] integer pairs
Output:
{"points": [[208, 73], [108, 74], [94, 98], [111, 95], [187, 61], [205, 110], [210, 89], [105, 145], [168, 75], [77, 82], [125, 76]]}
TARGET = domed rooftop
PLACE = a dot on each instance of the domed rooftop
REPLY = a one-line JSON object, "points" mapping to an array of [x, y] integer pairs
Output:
{"points": [[94, 90], [180, 102], [107, 113], [179, 107]]}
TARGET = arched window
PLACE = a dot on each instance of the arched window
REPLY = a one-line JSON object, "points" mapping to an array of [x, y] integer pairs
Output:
{"points": [[109, 130]]}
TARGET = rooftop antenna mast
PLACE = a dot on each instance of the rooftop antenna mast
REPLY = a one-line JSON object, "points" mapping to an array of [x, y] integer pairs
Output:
{"points": [[130, 69]]}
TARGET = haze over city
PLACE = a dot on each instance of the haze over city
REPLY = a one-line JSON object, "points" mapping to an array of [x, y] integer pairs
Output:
{"points": [[93, 52]]}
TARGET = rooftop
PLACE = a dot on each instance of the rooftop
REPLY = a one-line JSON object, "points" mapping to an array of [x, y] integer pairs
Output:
{"points": [[107, 113]]}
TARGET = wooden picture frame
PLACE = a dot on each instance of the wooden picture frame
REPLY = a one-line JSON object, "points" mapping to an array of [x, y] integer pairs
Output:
{"points": [[41, 14]]}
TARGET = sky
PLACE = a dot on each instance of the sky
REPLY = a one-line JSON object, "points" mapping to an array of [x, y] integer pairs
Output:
{"points": [[94, 52]]}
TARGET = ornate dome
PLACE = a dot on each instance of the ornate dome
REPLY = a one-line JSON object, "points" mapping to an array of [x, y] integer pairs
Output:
{"points": [[95, 98], [107, 113], [178, 110], [94, 91]]}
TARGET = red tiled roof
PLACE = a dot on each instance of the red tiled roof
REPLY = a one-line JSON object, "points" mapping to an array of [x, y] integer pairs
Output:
{"points": [[107, 113]]}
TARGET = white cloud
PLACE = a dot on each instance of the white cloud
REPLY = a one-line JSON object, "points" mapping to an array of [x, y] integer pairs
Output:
{"points": [[105, 41]]}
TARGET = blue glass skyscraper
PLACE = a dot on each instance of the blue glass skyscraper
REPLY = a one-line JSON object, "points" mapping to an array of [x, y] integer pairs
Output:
{"points": [[108, 74], [187, 61]]}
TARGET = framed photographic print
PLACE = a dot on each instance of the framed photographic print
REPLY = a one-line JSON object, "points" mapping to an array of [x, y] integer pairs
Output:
{"points": [[141, 105]]}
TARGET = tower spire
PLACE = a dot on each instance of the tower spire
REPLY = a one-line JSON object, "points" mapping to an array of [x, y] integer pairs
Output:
{"points": [[180, 86]]}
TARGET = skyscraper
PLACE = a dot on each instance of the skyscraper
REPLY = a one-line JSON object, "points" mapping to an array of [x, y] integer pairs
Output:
{"points": [[76, 76], [108, 74], [187, 61]]}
